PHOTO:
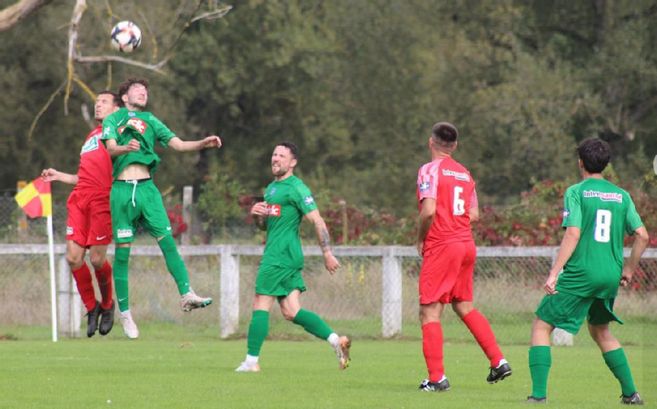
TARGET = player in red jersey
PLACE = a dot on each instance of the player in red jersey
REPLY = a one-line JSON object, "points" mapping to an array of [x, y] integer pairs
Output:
{"points": [[89, 224], [447, 203]]}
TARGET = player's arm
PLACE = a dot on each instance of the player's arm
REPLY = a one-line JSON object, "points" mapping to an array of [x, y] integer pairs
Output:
{"points": [[212, 141], [638, 247], [424, 220], [114, 149], [53, 175], [330, 262], [566, 249], [260, 213], [474, 207]]}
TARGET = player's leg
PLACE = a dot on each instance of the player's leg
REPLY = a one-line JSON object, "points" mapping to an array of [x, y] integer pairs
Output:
{"points": [[75, 258], [432, 347], [438, 275], [558, 310], [462, 296], [156, 221], [100, 236], [77, 229], [315, 325], [103, 272], [124, 216], [612, 351], [540, 359], [258, 330]]}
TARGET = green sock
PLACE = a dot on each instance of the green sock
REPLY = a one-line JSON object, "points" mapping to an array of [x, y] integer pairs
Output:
{"points": [[312, 323], [120, 273], [617, 362], [540, 360], [175, 263], [258, 329]]}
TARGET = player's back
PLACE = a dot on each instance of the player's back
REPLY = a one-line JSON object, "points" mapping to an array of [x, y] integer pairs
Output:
{"points": [[452, 186], [604, 213]]}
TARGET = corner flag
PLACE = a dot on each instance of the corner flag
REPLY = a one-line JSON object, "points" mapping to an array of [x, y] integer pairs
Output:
{"points": [[35, 199]]}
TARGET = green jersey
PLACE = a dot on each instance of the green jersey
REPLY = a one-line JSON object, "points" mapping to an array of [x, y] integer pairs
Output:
{"points": [[124, 125], [604, 213], [288, 200]]}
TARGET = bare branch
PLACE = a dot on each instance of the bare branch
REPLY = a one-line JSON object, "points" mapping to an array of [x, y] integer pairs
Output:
{"points": [[10, 16], [78, 10], [43, 110], [213, 15], [105, 58]]}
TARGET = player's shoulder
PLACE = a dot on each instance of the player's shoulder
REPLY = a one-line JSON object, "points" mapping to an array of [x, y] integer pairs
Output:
{"points": [[429, 167]]}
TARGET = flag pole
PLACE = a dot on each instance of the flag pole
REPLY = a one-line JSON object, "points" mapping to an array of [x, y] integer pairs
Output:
{"points": [[53, 294]]}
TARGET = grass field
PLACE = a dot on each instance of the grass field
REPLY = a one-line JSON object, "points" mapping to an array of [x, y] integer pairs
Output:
{"points": [[174, 366]]}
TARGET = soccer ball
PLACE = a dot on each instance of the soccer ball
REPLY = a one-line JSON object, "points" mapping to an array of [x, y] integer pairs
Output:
{"points": [[126, 36]]}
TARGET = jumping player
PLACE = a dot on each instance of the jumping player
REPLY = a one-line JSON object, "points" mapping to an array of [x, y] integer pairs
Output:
{"points": [[130, 135], [89, 224]]}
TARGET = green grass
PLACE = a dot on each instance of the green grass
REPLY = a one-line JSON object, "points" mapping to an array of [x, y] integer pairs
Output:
{"points": [[187, 367]]}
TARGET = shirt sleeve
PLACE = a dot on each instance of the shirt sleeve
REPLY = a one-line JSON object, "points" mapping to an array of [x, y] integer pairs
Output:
{"points": [[632, 218], [304, 200], [162, 133], [572, 210], [427, 182], [110, 130], [474, 202]]}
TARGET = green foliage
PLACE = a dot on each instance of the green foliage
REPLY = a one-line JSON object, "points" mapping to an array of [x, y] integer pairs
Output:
{"points": [[218, 202], [357, 85]]}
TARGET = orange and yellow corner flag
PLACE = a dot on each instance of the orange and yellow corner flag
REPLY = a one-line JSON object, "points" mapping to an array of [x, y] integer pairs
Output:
{"points": [[35, 199]]}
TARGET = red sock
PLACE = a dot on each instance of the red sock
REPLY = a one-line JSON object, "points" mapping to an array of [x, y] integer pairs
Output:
{"points": [[483, 333], [85, 287], [432, 347], [104, 277]]}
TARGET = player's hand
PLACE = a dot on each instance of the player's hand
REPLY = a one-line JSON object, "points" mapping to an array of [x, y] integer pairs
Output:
{"points": [[260, 209], [330, 262], [550, 284], [49, 175], [132, 146], [420, 248], [626, 277], [212, 141]]}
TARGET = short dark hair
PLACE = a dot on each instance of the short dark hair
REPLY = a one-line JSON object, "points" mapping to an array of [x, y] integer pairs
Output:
{"points": [[594, 153], [292, 147], [115, 97], [125, 86], [445, 132]]}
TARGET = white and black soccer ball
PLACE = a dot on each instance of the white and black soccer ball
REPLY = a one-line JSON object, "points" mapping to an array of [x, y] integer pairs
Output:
{"points": [[126, 36]]}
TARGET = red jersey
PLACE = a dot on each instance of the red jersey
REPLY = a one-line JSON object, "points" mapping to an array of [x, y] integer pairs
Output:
{"points": [[450, 184], [95, 172]]}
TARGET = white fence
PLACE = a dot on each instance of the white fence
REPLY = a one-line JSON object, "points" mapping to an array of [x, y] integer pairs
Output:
{"points": [[391, 260]]}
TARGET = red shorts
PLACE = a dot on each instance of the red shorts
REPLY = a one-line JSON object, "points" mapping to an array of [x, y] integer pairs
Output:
{"points": [[89, 222], [446, 274]]}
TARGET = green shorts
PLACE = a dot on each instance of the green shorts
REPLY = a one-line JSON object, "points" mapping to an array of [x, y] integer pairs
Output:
{"points": [[567, 311], [134, 203], [278, 281]]}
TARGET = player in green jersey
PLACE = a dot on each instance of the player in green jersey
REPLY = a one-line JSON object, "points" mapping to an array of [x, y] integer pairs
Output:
{"points": [[286, 202], [130, 135], [596, 215]]}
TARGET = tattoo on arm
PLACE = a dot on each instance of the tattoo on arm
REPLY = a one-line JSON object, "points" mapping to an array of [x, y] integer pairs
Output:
{"points": [[324, 239]]}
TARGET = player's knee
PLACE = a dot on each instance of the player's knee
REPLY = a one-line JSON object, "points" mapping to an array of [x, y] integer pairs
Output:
{"points": [[97, 260], [288, 315], [74, 260]]}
